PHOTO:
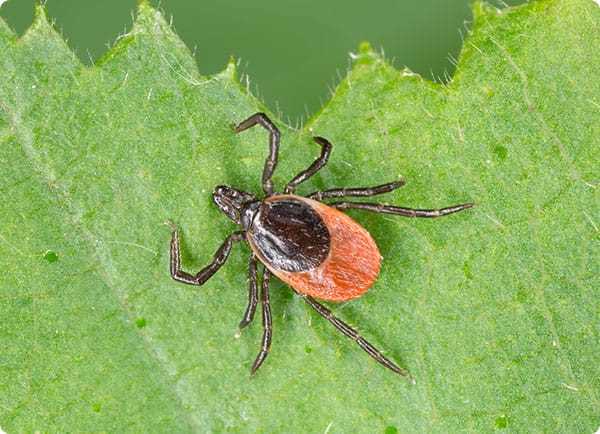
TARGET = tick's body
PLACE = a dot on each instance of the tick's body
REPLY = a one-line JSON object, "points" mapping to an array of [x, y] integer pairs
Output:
{"points": [[313, 247]]}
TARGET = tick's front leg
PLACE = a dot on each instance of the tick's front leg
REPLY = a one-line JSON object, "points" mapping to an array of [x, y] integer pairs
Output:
{"points": [[207, 272]]}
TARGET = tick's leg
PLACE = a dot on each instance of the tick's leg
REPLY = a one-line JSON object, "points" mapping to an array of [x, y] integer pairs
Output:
{"points": [[406, 212], [206, 273], [271, 163], [267, 325], [252, 294], [353, 334], [314, 167], [361, 192]]}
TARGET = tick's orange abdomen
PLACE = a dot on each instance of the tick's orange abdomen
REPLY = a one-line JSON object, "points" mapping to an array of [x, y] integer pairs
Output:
{"points": [[351, 267]]}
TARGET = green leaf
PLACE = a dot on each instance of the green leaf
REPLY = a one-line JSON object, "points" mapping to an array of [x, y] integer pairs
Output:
{"points": [[494, 311]]}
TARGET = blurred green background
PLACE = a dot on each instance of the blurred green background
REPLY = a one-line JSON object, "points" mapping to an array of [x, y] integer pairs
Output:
{"points": [[294, 52]]}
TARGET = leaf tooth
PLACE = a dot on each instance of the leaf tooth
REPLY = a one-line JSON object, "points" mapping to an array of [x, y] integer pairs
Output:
{"points": [[43, 41], [150, 20], [152, 47], [230, 72], [365, 55], [366, 48], [40, 23], [40, 14]]}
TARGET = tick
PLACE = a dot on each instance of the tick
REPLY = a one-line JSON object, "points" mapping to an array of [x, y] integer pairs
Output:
{"points": [[313, 247]]}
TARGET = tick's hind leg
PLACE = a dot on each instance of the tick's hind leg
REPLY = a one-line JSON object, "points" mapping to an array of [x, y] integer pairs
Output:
{"points": [[207, 272], [357, 192], [252, 294], [271, 162], [314, 167], [267, 323], [353, 334], [397, 210]]}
